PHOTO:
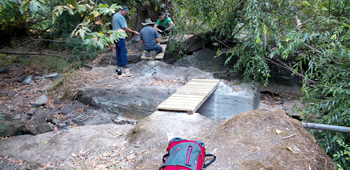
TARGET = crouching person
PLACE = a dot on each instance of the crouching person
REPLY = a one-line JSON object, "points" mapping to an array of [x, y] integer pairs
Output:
{"points": [[150, 38]]}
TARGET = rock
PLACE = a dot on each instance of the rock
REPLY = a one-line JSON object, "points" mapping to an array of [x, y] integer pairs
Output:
{"points": [[57, 146], [25, 117], [41, 117], [7, 117], [40, 128], [17, 117], [136, 97], [134, 57], [28, 80], [3, 69], [66, 109], [11, 108], [62, 125], [94, 117], [204, 60], [151, 131], [40, 101], [50, 76], [20, 78], [55, 121], [11, 128], [31, 111]]}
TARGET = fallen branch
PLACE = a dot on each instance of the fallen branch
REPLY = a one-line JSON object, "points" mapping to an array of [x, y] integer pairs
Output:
{"points": [[29, 53], [28, 40], [289, 136]]}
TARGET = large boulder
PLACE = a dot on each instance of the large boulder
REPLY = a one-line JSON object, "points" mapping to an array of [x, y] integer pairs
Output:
{"points": [[151, 132], [206, 59], [249, 141], [137, 96], [65, 149]]}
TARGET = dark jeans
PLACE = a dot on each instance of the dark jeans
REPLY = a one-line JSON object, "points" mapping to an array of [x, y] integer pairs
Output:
{"points": [[162, 28], [158, 49], [121, 52]]}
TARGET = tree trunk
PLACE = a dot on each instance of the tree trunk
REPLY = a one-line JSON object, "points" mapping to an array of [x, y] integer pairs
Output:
{"points": [[147, 9]]}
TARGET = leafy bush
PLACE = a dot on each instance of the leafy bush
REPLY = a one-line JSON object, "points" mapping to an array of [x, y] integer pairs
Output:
{"points": [[342, 157], [314, 34]]}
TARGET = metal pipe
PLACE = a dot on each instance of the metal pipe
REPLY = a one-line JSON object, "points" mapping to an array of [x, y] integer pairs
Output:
{"points": [[325, 127]]}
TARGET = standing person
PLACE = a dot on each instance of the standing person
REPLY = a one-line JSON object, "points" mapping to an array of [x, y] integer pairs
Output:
{"points": [[163, 24], [150, 38], [119, 24]]}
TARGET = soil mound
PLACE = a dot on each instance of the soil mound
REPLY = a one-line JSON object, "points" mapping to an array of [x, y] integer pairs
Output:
{"points": [[260, 139]]}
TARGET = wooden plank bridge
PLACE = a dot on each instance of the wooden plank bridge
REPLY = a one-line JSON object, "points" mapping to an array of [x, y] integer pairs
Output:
{"points": [[158, 57], [163, 42], [190, 97]]}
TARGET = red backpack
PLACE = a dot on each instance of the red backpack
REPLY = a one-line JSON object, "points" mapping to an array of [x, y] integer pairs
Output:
{"points": [[185, 155]]}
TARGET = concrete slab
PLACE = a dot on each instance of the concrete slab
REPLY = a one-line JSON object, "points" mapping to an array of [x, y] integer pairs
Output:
{"points": [[228, 101]]}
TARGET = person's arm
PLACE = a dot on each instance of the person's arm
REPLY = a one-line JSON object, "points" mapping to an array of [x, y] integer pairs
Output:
{"points": [[171, 24], [156, 27], [131, 31], [142, 42], [158, 40]]}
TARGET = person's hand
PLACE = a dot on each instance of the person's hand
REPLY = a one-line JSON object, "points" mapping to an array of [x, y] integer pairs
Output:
{"points": [[137, 33], [163, 32]]}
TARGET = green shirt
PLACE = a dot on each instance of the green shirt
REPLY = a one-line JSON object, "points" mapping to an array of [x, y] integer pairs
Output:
{"points": [[164, 23]]}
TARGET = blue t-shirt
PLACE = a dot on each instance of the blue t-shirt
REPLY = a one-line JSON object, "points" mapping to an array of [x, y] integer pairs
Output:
{"points": [[118, 22], [149, 35]]}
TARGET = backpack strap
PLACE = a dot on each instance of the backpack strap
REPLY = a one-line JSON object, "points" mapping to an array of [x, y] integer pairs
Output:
{"points": [[166, 155], [207, 155]]}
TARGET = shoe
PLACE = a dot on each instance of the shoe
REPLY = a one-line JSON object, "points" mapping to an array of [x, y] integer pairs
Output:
{"points": [[153, 54], [147, 53]]}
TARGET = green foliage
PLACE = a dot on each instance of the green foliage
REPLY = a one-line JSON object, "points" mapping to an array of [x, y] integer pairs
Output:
{"points": [[342, 157], [313, 34], [80, 53], [95, 27]]}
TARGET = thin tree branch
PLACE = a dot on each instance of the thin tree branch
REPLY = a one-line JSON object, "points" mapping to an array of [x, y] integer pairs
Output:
{"points": [[29, 53], [278, 62], [312, 48], [32, 39]]}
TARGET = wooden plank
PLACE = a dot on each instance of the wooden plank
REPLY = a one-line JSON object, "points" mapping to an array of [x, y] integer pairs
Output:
{"points": [[205, 98], [185, 97], [182, 105], [205, 80], [182, 99], [175, 108], [191, 96], [158, 56]]}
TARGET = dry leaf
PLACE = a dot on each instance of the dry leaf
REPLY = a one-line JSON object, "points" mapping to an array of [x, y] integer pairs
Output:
{"points": [[289, 148], [74, 155], [278, 131]]}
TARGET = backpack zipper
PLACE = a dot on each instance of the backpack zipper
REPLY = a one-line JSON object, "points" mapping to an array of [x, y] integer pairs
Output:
{"points": [[188, 155]]}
